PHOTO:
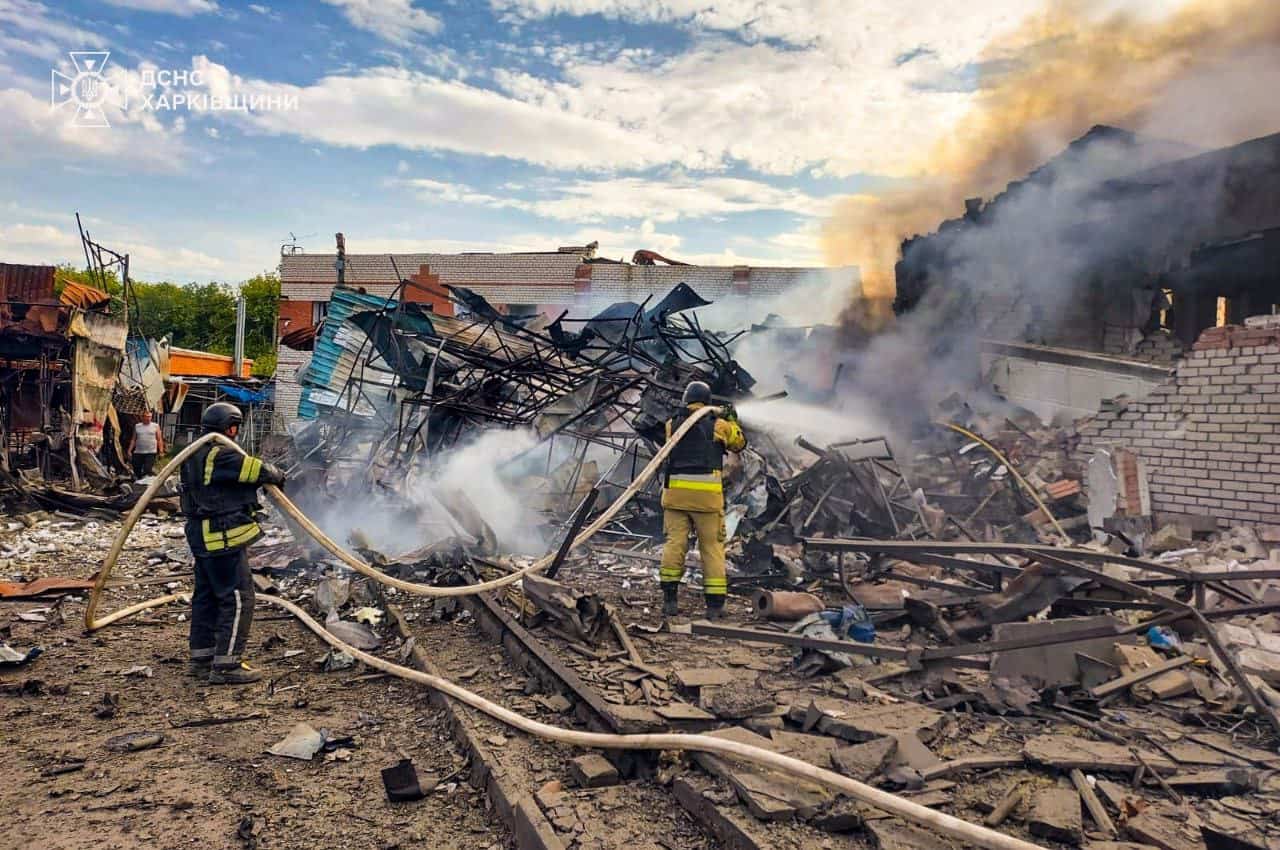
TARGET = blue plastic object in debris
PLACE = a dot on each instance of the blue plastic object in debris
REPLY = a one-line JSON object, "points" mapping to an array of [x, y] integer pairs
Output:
{"points": [[1162, 637], [853, 622]]}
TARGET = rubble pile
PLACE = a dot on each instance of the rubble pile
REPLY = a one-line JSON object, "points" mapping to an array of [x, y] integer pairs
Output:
{"points": [[929, 612], [1050, 703], [409, 388], [979, 492], [393, 392]]}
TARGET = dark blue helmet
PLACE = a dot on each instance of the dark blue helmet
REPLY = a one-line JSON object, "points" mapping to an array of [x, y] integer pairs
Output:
{"points": [[697, 393], [220, 417]]}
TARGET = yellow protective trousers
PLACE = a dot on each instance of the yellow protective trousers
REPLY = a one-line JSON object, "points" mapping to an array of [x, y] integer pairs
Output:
{"points": [[709, 526]]}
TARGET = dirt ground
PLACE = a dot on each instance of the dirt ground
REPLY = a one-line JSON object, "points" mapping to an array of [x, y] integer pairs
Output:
{"points": [[213, 784], [203, 786]]}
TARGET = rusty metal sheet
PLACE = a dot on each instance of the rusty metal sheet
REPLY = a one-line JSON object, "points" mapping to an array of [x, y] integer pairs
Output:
{"points": [[41, 586], [85, 297], [303, 339], [26, 284]]}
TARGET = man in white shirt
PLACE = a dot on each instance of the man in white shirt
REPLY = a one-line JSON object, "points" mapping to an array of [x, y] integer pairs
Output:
{"points": [[146, 443]]}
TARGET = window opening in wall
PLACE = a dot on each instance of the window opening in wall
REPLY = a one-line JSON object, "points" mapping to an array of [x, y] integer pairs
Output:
{"points": [[1166, 309]]}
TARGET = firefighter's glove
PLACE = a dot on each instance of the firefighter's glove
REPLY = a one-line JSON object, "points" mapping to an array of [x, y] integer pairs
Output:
{"points": [[271, 475]]}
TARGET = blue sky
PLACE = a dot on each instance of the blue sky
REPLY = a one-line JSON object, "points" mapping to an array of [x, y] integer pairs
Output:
{"points": [[709, 131]]}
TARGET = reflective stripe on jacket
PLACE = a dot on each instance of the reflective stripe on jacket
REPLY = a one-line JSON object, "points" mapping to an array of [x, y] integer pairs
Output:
{"points": [[220, 500], [702, 491], [709, 482]]}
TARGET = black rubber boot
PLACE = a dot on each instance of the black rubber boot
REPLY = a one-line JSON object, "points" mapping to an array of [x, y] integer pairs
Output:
{"points": [[715, 607], [670, 598], [199, 669], [241, 674]]}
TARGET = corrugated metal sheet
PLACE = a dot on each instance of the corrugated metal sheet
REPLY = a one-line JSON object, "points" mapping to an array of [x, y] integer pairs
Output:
{"points": [[85, 297], [27, 284], [335, 352]]}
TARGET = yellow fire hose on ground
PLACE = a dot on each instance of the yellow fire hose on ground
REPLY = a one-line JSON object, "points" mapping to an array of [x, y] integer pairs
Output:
{"points": [[1031, 491], [913, 812], [92, 623]]}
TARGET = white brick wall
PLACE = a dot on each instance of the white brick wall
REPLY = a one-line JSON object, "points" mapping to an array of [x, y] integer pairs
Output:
{"points": [[1209, 437], [288, 390], [367, 269]]}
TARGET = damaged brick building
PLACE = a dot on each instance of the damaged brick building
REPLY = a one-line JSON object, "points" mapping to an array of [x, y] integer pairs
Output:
{"points": [[1207, 438], [1093, 254], [1097, 285]]}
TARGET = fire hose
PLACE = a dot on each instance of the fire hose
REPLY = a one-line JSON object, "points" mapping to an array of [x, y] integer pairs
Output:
{"points": [[92, 623], [1022, 482], [907, 810]]}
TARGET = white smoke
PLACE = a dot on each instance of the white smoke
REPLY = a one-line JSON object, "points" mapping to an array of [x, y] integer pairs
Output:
{"points": [[423, 509]]}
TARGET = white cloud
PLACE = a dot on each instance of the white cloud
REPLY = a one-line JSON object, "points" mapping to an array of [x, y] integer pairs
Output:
{"points": [[394, 106], [777, 110], [827, 97], [842, 88], [34, 132], [18, 236], [679, 196], [798, 23], [181, 8], [396, 21], [46, 244], [29, 28], [457, 193]]}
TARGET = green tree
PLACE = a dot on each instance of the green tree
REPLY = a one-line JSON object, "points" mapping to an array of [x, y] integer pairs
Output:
{"points": [[198, 316], [262, 307]]}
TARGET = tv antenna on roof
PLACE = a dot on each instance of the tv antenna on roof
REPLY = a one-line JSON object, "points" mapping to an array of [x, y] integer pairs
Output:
{"points": [[292, 246]]}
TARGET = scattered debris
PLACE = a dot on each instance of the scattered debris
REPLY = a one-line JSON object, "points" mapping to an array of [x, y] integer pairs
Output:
{"points": [[135, 742], [401, 782], [10, 657], [302, 742]]}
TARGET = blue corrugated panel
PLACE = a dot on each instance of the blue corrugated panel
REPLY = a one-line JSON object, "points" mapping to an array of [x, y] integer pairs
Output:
{"points": [[318, 373]]}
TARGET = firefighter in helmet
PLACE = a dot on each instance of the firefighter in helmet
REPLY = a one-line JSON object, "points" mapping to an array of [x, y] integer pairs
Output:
{"points": [[693, 499], [220, 501]]}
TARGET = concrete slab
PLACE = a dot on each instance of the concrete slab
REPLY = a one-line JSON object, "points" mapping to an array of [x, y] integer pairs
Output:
{"points": [[1055, 815], [893, 834], [1053, 665], [863, 761], [593, 771], [1067, 751]]}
